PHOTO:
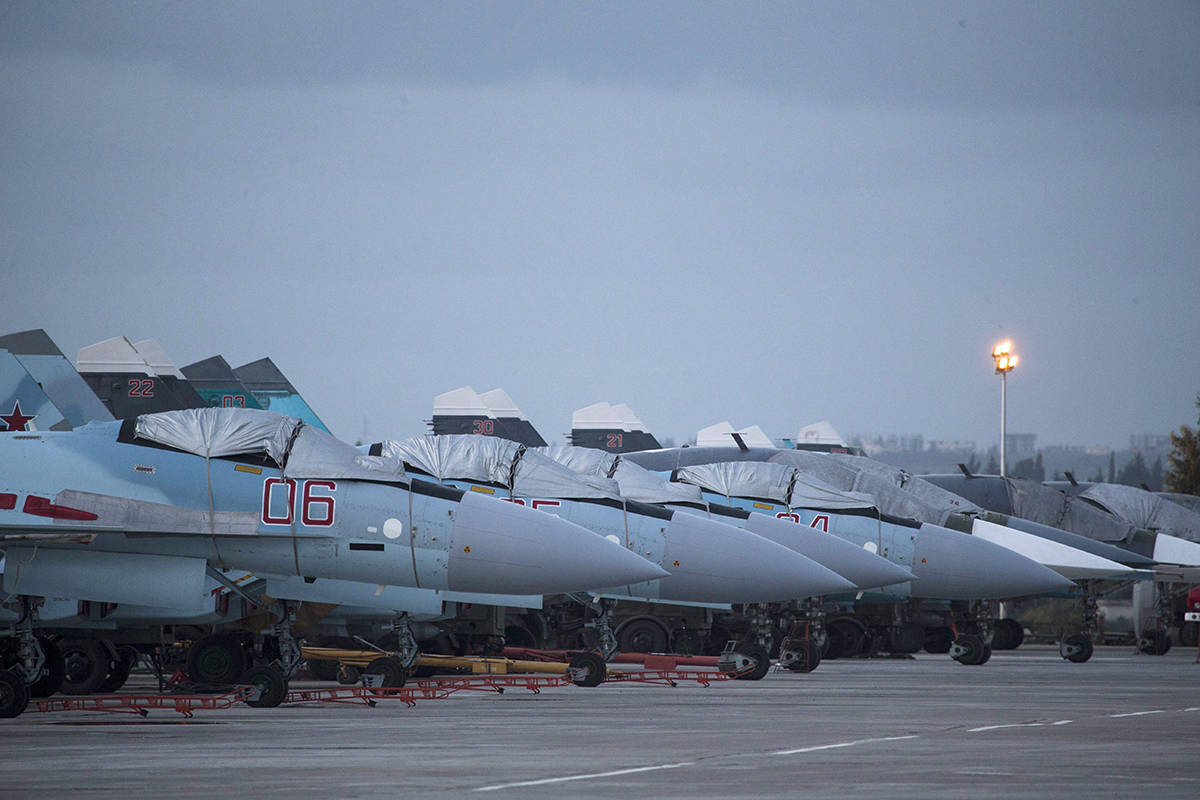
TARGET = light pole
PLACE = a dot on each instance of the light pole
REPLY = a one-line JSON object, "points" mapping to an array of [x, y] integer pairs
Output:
{"points": [[1005, 360]]}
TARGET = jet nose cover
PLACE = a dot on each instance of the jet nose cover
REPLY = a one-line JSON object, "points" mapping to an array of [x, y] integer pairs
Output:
{"points": [[956, 566], [857, 565], [506, 548], [713, 562]]}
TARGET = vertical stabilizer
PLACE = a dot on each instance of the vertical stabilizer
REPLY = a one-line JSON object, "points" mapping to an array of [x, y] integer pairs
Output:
{"points": [[510, 423], [116, 372], [56, 375], [615, 429], [275, 392], [23, 404], [214, 380]]}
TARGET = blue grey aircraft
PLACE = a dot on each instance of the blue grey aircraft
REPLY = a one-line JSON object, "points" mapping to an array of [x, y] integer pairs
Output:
{"points": [[141, 511]]}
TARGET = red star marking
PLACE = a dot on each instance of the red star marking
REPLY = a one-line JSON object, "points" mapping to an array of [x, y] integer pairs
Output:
{"points": [[16, 421]]}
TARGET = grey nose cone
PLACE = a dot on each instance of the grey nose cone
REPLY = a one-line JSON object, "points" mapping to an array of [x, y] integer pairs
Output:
{"points": [[713, 562], [857, 565], [956, 566], [507, 548]]}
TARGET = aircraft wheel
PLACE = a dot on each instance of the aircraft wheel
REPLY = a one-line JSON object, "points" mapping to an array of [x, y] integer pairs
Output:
{"points": [[906, 638], [86, 665], [846, 638], [987, 654], [938, 640], [14, 696], [589, 668], [52, 674], [1007, 634], [323, 669], [762, 662], [968, 649], [216, 658], [390, 671], [270, 683], [119, 669], [1154, 643], [348, 675], [1076, 648], [798, 662], [642, 636]]}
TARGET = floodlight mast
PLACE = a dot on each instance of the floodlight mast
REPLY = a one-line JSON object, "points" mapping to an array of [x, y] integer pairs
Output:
{"points": [[1005, 360]]}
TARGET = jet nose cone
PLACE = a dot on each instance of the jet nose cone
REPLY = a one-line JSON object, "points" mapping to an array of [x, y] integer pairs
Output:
{"points": [[507, 548], [859, 566], [1063, 559], [713, 562], [956, 566]]}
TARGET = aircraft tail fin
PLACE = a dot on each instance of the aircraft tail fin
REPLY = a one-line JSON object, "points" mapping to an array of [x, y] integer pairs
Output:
{"points": [[275, 392], [493, 413], [23, 404], [215, 381], [56, 375], [614, 428], [510, 422], [127, 385]]}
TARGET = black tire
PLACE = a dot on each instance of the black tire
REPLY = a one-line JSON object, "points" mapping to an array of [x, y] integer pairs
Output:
{"points": [[1189, 633], [217, 659], [987, 655], [14, 696], [762, 662], [908, 637], [846, 638], [54, 671], [1154, 643], [809, 663], [119, 669], [323, 669], [972, 652], [1080, 645], [391, 671], [938, 640], [86, 663], [271, 684], [348, 675], [589, 668], [1007, 634], [642, 635]]}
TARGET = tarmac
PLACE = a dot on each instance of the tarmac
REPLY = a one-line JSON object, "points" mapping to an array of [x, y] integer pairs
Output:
{"points": [[1027, 724]]}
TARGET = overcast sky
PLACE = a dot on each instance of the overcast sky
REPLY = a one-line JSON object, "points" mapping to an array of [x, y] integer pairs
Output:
{"points": [[766, 213]]}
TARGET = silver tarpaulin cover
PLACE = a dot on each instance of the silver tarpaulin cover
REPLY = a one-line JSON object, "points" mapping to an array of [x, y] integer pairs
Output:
{"points": [[637, 483], [302, 451], [489, 459], [1033, 501], [741, 479], [1145, 509], [216, 432]]}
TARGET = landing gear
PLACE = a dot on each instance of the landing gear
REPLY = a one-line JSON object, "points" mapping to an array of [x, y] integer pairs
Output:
{"points": [[642, 635], [270, 683], [845, 638], [906, 637], [587, 669], [86, 664], [1076, 648], [1007, 634], [970, 650], [802, 656], [14, 697], [386, 671], [1154, 643], [761, 659], [217, 658], [53, 670], [119, 669]]}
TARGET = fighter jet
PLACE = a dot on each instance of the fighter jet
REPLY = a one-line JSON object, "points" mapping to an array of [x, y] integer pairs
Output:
{"points": [[141, 511]]}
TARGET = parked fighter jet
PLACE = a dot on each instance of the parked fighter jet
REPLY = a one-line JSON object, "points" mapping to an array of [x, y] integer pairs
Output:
{"points": [[140, 511]]}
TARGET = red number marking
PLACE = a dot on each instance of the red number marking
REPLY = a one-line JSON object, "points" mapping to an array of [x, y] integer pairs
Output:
{"points": [[311, 501]]}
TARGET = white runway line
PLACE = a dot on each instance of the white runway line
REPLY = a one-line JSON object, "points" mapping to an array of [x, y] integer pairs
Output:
{"points": [[1134, 714], [1011, 725], [815, 748], [1062, 722], [590, 776]]}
